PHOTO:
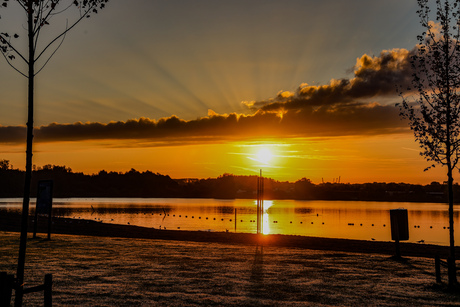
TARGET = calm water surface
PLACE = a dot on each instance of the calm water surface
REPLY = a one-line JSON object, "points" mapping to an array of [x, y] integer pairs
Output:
{"points": [[334, 219]]}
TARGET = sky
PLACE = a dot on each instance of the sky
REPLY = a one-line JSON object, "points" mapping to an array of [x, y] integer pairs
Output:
{"points": [[196, 89]]}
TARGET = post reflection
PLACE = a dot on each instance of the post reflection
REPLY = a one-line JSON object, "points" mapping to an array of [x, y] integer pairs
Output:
{"points": [[257, 273]]}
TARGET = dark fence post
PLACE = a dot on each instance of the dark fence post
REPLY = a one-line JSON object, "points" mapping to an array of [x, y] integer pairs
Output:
{"points": [[437, 267], [48, 290], [4, 300], [6, 288], [452, 270]]}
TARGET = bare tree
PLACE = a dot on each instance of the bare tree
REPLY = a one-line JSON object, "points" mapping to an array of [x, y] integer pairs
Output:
{"points": [[38, 15], [433, 112]]}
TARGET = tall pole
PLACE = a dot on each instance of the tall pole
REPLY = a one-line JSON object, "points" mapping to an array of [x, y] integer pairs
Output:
{"points": [[260, 203]]}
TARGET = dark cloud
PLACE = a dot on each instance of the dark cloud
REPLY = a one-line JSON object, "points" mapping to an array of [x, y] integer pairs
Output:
{"points": [[373, 77], [9, 134], [361, 119], [342, 107]]}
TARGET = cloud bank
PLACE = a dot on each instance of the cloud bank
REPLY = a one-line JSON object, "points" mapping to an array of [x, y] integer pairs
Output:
{"points": [[342, 107]]}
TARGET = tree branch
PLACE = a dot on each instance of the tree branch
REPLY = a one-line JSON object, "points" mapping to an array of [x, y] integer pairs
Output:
{"points": [[65, 32], [52, 54], [5, 41], [9, 63]]}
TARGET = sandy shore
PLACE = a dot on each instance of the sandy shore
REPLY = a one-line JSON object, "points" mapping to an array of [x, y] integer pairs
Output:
{"points": [[98, 264]]}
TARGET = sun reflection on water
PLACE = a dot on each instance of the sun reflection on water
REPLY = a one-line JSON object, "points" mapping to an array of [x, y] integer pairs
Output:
{"points": [[265, 217], [266, 224]]}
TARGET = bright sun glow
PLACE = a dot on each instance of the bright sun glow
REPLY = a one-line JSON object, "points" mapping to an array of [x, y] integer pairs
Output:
{"points": [[264, 155]]}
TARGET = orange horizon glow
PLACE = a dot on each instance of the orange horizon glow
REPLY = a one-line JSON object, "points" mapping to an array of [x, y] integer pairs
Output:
{"points": [[391, 158]]}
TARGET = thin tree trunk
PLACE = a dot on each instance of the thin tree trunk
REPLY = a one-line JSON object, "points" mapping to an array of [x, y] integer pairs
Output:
{"points": [[449, 151], [28, 177], [452, 271]]}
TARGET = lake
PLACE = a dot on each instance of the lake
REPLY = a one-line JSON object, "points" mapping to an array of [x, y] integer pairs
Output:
{"points": [[428, 222]]}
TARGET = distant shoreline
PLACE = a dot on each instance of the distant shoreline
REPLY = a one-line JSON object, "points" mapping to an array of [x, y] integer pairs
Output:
{"points": [[10, 222], [56, 199], [228, 186]]}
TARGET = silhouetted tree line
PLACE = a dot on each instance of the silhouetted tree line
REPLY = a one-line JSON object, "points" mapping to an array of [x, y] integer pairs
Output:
{"points": [[148, 184]]}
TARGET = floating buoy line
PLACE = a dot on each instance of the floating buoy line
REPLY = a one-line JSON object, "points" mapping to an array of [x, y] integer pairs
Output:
{"points": [[280, 224]]}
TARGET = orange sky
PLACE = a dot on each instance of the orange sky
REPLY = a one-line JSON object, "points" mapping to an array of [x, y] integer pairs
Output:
{"points": [[197, 88], [392, 158]]}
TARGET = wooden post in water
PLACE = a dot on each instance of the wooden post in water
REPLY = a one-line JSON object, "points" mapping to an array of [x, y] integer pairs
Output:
{"points": [[235, 217]]}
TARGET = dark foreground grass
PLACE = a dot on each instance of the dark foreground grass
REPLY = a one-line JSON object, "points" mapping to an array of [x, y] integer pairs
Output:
{"points": [[109, 271]]}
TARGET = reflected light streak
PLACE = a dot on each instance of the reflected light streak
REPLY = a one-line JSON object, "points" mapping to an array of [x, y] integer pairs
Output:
{"points": [[268, 204], [265, 216], [266, 224]]}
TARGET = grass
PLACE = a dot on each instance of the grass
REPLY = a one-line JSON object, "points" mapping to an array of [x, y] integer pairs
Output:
{"points": [[97, 271]]}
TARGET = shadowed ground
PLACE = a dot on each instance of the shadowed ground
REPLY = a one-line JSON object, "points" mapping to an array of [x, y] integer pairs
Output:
{"points": [[101, 271]]}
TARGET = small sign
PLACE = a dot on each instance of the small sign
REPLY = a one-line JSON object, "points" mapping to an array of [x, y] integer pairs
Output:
{"points": [[44, 196], [399, 224]]}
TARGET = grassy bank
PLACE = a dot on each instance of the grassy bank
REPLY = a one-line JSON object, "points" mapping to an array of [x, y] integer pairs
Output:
{"points": [[11, 222]]}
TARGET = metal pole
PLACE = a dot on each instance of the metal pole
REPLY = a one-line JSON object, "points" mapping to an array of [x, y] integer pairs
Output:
{"points": [[258, 205], [261, 203]]}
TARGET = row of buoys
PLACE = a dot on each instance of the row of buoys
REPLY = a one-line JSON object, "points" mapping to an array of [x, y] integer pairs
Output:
{"points": [[384, 225], [250, 221], [253, 221], [431, 227], [353, 224], [290, 222]]}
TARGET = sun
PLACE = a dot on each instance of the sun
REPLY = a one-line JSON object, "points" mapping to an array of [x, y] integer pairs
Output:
{"points": [[264, 155]]}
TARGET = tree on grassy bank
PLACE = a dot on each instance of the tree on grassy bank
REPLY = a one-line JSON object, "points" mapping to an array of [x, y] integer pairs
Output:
{"points": [[434, 115], [39, 50]]}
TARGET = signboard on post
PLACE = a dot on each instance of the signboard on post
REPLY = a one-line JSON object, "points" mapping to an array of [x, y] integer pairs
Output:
{"points": [[399, 224], [44, 196], [399, 228], [44, 203]]}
